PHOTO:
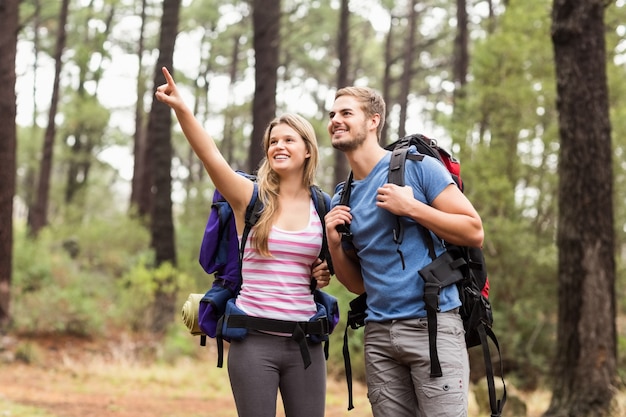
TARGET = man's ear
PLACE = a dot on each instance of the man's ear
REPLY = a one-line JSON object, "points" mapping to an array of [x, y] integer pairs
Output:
{"points": [[375, 121]]}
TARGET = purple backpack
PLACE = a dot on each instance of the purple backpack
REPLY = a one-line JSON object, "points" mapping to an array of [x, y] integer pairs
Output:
{"points": [[219, 251], [219, 255]]}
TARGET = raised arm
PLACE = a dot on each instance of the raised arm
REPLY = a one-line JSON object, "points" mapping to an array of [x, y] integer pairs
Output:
{"points": [[235, 188]]}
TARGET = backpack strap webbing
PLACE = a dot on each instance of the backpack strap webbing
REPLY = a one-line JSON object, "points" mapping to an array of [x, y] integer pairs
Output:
{"points": [[351, 322], [253, 213], [344, 200], [321, 201], [355, 320], [399, 156], [432, 289], [347, 366], [496, 405], [322, 205], [432, 286], [298, 329]]}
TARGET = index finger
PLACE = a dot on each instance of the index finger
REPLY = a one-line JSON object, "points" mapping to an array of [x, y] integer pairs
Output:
{"points": [[168, 76]]}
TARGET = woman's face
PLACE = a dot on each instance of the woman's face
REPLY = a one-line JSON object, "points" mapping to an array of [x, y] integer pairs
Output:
{"points": [[287, 150]]}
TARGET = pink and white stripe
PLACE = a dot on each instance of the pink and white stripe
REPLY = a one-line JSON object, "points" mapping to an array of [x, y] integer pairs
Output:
{"points": [[278, 287]]}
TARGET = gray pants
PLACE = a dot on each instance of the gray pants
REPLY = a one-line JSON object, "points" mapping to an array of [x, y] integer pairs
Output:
{"points": [[397, 365], [262, 364]]}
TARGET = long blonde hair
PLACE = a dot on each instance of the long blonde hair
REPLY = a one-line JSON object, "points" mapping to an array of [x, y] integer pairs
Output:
{"points": [[269, 181]]}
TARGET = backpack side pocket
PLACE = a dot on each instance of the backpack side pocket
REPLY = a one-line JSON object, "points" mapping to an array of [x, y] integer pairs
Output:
{"points": [[230, 332], [211, 307]]}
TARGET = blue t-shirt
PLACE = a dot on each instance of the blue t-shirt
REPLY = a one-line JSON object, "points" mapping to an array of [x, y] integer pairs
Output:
{"points": [[393, 292]]}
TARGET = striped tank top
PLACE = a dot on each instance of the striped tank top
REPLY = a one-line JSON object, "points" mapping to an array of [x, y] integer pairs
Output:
{"points": [[278, 287]]}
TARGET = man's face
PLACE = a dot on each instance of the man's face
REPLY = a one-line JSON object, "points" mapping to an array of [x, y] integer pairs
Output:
{"points": [[347, 124]]}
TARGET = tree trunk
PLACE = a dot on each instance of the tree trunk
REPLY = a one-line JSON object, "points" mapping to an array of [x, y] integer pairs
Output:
{"points": [[87, 135], [38, 217], [228, 139], [8, 47], [585, 365], [30, 176], [79, 163], [159, 138], [140, 196], [461, 49], [266, 23], [387, 81], [343, 51], [407, 73]]}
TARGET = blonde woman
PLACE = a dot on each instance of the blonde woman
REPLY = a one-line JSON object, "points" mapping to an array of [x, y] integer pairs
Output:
{"points": [[280, 260]]}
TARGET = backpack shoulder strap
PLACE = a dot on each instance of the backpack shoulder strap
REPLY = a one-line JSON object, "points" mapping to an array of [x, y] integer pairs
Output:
{"points": [[397, 163], [399, 154], [346, 190], [396, 166], [253, 212], [321, 200]]}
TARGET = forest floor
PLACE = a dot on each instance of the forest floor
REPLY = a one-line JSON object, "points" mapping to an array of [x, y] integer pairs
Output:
{"points": [[61, 376]]}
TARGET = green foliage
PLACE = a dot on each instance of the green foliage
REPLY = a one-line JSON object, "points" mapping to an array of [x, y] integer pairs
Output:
{"points": [[86, 116], [18, 410], [51, 293], [523, 279], [190, 237], [109, 243], [616, 73], [621, 348], [86, 280], [179, 343], [136, 291], [504, 133]]}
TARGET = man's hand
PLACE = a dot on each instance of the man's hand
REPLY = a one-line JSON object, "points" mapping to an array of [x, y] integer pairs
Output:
{"points": [[395, 199], [338, 216]]}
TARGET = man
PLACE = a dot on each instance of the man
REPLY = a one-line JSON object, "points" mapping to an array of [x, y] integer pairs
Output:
{"points": [[397, 359]]}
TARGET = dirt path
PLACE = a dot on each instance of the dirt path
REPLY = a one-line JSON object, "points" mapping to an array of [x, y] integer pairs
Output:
{"points": [[69, 394], [78, 378]]}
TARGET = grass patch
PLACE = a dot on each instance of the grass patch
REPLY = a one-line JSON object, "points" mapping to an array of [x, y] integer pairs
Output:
{"points": [[11, 409]]}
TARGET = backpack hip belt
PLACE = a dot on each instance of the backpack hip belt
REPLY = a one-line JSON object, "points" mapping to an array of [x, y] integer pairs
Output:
{"points": [[317, 327], [299, 331]]}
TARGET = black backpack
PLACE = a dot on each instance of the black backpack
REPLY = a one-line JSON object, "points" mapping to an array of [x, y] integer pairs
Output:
{"points": [[459, 265]]}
